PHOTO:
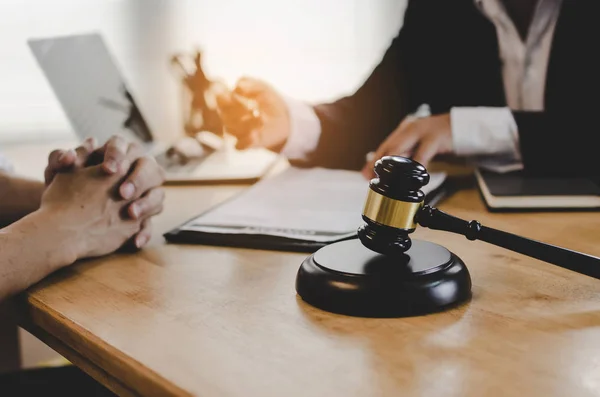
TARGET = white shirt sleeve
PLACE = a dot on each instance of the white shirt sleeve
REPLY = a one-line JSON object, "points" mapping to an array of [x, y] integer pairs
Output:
{"points": [[484, 131], [475, 131], [305, 130]]}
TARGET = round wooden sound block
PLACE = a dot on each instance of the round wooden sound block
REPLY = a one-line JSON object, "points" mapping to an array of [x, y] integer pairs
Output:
{"points": [[348, 278]]}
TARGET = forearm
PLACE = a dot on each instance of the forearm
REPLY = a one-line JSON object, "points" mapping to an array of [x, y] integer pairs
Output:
{"points": [[31, 249], [546, 143], [358, 124], [18, 197], [350, 131]]}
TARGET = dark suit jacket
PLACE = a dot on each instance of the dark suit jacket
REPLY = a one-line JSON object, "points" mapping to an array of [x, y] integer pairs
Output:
{"points": [[446, 54]]}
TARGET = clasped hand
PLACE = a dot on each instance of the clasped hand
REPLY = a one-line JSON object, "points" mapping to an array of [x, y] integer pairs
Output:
{"points": [[106, 195]]}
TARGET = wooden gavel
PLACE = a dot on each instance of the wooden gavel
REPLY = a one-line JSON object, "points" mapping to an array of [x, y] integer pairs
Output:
{"points": [[394, 208]]}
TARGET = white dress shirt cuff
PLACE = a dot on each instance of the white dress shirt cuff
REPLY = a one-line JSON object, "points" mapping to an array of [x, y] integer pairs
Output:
{"points": [[305, 130], [484, 131]]}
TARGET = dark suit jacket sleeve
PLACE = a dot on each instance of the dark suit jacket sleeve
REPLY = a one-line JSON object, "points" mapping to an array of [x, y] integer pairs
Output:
{"points": [[559, 143], [357, 124]]}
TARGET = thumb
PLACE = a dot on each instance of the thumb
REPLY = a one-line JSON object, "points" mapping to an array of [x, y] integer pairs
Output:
{"points": [[59, 161]]}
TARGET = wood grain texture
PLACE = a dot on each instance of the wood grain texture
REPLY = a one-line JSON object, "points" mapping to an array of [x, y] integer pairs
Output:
{"points": [[75, 358], [199, 320]]}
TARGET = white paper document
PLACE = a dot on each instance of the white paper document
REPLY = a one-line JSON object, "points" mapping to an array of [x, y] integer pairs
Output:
{"points": [[314, 204]]}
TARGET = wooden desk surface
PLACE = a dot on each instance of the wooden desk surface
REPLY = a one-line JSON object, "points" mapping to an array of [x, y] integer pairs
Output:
{"points": [[199, 320]]}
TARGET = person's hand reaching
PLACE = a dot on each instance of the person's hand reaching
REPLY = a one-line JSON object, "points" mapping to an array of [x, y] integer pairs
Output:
{"points": [[256, 114], [418, 138]]}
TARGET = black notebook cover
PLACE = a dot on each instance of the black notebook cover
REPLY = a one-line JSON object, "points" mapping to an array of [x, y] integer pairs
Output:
{"points": [[518, 190]]}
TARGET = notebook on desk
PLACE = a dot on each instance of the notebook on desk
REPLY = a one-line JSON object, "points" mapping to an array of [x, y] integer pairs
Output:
{"points": [[518, 191], [297, 210]]}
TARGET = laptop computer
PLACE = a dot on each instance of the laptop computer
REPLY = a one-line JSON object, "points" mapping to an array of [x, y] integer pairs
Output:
{"points": [[98, 103]]}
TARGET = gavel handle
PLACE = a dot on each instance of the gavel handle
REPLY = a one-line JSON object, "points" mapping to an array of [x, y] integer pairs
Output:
{"points": [[473, 230]]}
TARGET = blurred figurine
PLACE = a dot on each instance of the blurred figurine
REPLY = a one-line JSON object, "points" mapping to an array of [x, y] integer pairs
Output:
{"points": [[200, 108]]}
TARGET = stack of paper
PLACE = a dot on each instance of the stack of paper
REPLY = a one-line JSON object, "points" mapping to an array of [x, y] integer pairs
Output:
{"points": [[313, 205]]}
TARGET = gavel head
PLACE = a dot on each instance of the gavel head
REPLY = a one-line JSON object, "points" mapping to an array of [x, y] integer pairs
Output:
{"points": [[393, 201]]}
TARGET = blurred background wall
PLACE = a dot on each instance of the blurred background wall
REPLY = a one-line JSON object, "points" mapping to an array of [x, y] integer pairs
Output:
{"points": [[314, 50]]}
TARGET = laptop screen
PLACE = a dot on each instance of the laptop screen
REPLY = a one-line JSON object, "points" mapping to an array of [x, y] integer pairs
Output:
{"points": [[90, 87]]}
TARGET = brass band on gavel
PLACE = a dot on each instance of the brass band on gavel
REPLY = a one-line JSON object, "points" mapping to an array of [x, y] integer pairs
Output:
{"points": [[390, 212]]}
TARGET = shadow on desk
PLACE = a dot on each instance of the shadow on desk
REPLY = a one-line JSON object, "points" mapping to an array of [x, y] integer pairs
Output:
{"points": [[396, 343], [450, 345]]}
